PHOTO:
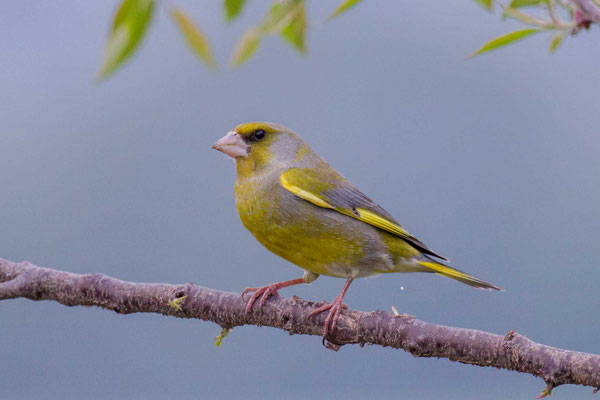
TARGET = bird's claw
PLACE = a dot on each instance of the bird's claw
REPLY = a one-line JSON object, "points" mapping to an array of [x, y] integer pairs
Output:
{"points": [[262, 292], [335, 308]]}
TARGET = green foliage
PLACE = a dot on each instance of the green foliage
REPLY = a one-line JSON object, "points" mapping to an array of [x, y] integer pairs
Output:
{"points": [[281, 15], [526, 3], [295, 31], [348, 4], [520, 16], [233, 8], [504, 40], [552, 22], [246, 47], [487, 4], [546, 392], [286, 18], [557, 40], [176, 303], [219, 338], [194, 36], [129, 26]]}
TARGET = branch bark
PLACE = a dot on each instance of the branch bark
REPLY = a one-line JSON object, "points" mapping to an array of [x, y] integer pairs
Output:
{"points": [[511, 351]]}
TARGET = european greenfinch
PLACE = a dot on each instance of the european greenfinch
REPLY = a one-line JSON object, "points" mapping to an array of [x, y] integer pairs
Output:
{"points": [[300, 208]]}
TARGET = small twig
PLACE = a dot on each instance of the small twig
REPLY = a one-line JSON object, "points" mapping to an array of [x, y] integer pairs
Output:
{"points": [[547, 391]]}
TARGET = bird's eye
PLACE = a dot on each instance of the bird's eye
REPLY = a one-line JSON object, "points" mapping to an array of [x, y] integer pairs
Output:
{"points": [[259, 134]]}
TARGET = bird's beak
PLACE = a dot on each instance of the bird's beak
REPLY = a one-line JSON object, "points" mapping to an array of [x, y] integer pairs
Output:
{"points": [[232, 144]]}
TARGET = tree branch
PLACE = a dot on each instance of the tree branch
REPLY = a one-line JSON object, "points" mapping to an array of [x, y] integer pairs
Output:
{"points": [[512, 351]]}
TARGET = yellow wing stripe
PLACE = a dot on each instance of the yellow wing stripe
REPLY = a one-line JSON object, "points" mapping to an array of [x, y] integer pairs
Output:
{"points": [[308, 196], [361, 214], [376, 220]]}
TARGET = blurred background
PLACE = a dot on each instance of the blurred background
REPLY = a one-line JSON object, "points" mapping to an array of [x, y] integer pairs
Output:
{"points": [[492, 161]]}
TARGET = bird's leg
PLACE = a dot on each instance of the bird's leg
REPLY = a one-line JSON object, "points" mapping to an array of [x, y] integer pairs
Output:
{"points": [[266, 291], [335, 308]]}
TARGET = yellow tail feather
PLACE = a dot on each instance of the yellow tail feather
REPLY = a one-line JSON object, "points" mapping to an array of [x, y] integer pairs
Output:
{"points": [[460, 276]]}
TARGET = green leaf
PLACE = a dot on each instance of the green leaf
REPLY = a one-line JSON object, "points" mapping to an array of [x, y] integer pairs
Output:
{"points": [[518, 15], [345, 6], [246, 47], [487, 4], [233, 8], [176, 303], [194, 36], [129, 26], [281, 15], [526, 3], [286, 17], [219, 338], [295, 32], [556, 41], [505, 40]]}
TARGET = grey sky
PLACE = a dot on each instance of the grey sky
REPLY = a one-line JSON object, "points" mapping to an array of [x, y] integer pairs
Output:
{"points": [[491, 161]]}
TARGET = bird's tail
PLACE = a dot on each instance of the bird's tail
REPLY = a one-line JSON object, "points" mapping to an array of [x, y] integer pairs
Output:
{"points": [[445, 270]]}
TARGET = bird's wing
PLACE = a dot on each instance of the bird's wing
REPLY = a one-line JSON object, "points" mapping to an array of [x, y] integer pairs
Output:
{"points": [[329, 189]]}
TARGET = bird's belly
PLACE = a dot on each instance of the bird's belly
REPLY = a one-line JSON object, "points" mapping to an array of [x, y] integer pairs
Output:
{"points": [[322, 252], [319, 240]]}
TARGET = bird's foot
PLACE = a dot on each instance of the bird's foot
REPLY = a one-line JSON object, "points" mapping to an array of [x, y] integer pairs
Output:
{"points": [[266, 291], [335, 308], [262, 292]]}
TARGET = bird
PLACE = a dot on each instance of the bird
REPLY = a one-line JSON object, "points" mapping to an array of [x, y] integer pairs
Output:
{"points": [[303, 210]]}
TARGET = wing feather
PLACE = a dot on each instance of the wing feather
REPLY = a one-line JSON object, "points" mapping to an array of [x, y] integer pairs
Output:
{"points": [[331, 190]]}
